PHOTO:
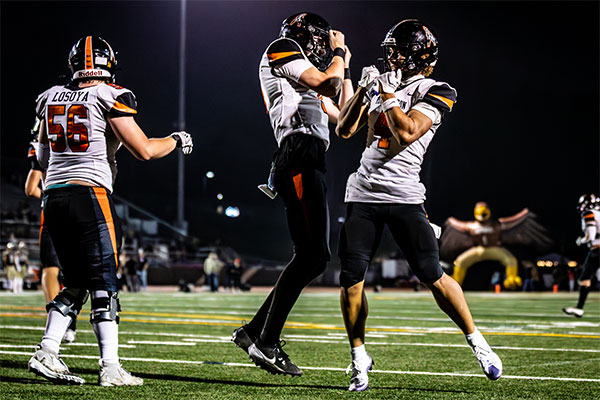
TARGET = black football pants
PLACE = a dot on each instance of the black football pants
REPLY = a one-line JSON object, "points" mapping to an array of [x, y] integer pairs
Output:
{"points": [[361, 234]]}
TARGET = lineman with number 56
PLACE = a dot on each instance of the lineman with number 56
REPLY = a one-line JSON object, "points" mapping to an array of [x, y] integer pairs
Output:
{"points": [[83, 125]]}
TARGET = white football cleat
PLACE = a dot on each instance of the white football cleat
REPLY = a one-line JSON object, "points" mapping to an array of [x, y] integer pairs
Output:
{"points": [[488, 360], [69, 336], [578, 312], [116, 375], [359, 380], [47, 364]]}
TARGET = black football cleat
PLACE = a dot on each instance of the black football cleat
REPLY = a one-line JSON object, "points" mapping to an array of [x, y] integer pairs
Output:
{"points": [[241, 338], [273, 359]]}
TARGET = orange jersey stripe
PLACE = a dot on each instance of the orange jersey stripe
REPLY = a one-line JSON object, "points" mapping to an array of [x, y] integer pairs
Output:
{"points": [[123, 108], [448, 102], [284, 54], [89, 63], [298, 185], [102, 198]]}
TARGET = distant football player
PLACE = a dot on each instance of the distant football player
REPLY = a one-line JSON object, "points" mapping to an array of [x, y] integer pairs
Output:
{"points": [[83, 124], [299, 73], [589, 208], [403, 109], [49, 261]]}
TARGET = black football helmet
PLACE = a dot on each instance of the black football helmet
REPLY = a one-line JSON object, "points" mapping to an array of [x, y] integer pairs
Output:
{"points": [[92, 57], [312, 34], [411, 46], [589, 201]]}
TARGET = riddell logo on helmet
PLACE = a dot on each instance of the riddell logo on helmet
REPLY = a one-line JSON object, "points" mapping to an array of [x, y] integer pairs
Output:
{"points": [[88, 74]]}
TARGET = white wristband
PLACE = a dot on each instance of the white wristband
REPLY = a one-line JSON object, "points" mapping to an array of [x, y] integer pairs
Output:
{"points": [[390, 103]]}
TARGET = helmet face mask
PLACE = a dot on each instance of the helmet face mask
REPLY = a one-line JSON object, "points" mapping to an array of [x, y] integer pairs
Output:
{"points": [[410, 46], [589, 201], [312, 34], [92, 58]]}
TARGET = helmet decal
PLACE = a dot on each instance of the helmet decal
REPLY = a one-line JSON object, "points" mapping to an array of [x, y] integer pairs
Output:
{"points": [[430, 38], [298, 18]]}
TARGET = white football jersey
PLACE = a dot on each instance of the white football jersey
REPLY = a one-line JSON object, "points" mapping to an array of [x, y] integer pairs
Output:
{"points": [[82, 144], [389, 170], [292, 107], [590, 221]]}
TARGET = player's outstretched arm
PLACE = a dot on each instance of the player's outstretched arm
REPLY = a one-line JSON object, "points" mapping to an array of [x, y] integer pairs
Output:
{"points": [[328, 83], [32, 184], [354, 111], [143, 148]]}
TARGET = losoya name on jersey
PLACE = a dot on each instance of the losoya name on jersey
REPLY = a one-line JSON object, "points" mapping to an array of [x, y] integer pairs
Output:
{"points": [[70, 96]]}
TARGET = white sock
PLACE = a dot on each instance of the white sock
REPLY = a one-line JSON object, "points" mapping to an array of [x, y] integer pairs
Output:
{"points": [[359, 353], [476, 339], [56, 326], [107, 333]]}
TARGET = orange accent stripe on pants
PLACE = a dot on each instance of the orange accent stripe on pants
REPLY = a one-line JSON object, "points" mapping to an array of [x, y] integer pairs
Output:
{"points": [[102, 198], [298, 185], [41, 228]]}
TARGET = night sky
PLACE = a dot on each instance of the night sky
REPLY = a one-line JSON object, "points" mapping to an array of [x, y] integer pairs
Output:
{"points": [[524, 131]]}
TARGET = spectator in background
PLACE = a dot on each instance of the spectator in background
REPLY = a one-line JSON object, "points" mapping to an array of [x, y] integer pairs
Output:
{"points": [[233, 275], [131, 275], [212, 268], [142, 270]]}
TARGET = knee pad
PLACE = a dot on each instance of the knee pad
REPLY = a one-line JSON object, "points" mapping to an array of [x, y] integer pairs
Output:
{"points": [[353, 271], [69, 302], [105, 308]]}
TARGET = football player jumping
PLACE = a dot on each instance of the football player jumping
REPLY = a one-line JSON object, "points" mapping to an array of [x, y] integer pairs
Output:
{"points": [[49, 261], [403, 109], [83, 124], [589, 207], [298, 72]]}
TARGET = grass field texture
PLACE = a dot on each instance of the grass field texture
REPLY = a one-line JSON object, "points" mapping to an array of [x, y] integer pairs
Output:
{"points": [[180, 344]]}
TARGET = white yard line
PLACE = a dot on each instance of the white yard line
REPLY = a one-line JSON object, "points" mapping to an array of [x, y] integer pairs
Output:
{"points": [[227, 364], [161, 343]]}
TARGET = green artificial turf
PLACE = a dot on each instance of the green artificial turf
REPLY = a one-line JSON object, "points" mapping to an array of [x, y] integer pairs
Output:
{"points": [[409, 338]]}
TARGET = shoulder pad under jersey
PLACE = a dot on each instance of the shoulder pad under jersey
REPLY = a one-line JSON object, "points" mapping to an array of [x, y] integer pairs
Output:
{"points": [[282, 51], [441, 95]]}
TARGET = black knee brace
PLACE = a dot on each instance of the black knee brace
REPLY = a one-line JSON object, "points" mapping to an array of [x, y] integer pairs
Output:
{"points": [[106, 308], [69, 302]]}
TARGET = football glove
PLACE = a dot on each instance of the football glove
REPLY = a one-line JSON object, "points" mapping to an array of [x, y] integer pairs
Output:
{"points": [[184, 141], [368, 77], [390, 81]]}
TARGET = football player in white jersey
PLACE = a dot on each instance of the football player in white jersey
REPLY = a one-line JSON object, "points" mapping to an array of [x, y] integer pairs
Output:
{"points": [[403, 109], [589, 209], [83, 124], [298, 74], [34, 185]]}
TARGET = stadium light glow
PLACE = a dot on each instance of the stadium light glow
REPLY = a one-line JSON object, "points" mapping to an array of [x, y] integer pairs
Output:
{"points": [[232, 212], [572, 264], [220, 196], [210, 174]]}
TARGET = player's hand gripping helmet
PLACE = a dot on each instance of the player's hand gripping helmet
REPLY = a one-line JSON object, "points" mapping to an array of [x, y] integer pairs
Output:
{"points": [[312, 34], [589, 201], [410, 46], [92, 57]]}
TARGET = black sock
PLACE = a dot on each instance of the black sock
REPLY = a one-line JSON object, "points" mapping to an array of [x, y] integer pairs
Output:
{"points": [[583, 292], [73, 324], [254, 327]]}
